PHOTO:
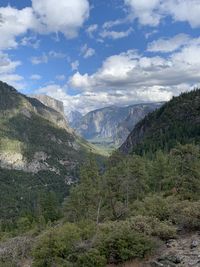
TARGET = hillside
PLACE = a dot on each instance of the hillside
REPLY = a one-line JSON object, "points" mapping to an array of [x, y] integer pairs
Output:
{"points": [[178, 121], [39, 152], [111, 125]]}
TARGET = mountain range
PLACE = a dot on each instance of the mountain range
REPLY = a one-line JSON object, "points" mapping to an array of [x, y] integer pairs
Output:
{"points": [[111, 125]]}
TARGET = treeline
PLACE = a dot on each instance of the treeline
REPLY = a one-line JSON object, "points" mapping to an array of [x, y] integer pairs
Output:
{"points": [[120, 212]]}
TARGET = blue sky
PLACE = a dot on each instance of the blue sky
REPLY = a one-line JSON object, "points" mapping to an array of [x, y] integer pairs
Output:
{"points": [[96, 53]]}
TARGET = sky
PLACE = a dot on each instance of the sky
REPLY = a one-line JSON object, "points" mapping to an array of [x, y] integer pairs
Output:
{"points": [[95, 53]]}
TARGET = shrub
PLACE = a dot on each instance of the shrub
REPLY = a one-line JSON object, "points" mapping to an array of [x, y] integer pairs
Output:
{"points": [[186, 214], [91, 258], [57, 244], [152, 226], [119, 243]]}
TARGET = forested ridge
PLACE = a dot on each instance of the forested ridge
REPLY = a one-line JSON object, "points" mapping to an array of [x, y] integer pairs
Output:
{"points": [[176, 121]]}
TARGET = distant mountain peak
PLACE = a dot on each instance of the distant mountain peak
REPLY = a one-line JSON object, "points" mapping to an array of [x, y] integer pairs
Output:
{"points": [[112, 124]]}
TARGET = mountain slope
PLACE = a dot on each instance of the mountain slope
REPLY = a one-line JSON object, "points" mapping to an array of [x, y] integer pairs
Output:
{"points": [[38, 151], [176, 121], [111, 125], [50, 102]]}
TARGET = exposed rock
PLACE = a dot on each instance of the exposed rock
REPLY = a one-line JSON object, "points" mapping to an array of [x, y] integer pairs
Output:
{"points": [[16, 161], [156, 264], [111, 125], [26, 113], [51, 102], [171, 257], [171, 243], [74, 117], [183, 252], [194, 244]]}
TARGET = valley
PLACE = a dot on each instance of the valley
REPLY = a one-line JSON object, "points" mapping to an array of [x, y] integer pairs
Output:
{"points": [[100, 133], [110, 126], [63, 204]]}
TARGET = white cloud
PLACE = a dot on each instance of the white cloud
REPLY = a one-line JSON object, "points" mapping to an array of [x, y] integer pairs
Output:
{"points": [[75, 65], [40, 60], [7, 71], [13, 23], [87, 51], [36, 77], [30, 41], [151, 12], [130, 77], [81, 81], [62, 16], [56, 55], [116, 34], [6, 64], [113, 23], [60, 77], [87, 101], [45, 57], [183, 10], [43, 17], [169, 45], [145, 11], [91, 30]]}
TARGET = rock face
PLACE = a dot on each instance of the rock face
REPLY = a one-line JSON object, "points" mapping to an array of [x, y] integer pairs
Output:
{"points": [[30, 132], [50, 102], [176, 121], [111, 125], [73, 118], [180, 252]]}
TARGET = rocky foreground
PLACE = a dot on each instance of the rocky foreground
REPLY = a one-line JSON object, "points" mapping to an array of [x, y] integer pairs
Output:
{"points": [[181, 252]]}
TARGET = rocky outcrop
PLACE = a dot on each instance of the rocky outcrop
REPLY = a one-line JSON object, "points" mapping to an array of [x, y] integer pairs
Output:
{"points": [[181, 252], [50, 102], [16, 161]]}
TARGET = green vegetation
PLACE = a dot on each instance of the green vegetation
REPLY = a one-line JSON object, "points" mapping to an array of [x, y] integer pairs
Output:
{"points": [[176, 121], [121, 214], [38, 154], [114, 213]]}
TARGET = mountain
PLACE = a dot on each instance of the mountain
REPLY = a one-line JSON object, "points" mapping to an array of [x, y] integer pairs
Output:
{"points": [[177, 121], [39, 152], [111, 125], [50, 102], [74, 117]]}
